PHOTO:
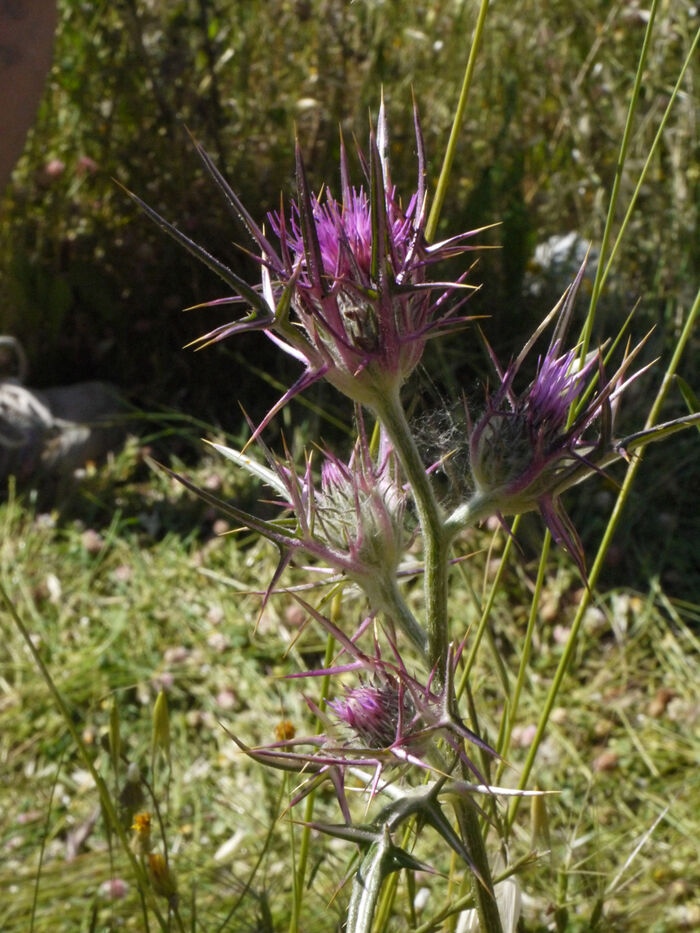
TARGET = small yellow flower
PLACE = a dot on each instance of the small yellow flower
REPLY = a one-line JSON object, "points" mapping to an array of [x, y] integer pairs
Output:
{"points": [[284, 731], [142, 833], [142, 823]]}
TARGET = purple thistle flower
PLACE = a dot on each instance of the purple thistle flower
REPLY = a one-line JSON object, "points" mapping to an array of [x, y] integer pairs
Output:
{"points": [[525, 451], [345, 287], [372, 712], [390, 720], [517, 437]]}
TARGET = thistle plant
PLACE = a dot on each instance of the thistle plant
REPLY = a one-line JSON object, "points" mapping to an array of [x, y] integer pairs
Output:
{"points": [[346, 288], [402, 725]]}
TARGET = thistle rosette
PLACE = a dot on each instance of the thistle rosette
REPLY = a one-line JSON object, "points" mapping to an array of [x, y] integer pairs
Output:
{"points": [[345, 288], [527, 448]]}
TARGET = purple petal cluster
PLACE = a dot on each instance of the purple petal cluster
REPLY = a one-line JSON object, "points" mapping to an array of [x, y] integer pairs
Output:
{"points": [[391, 719], [526, 449], [345, 286], [373, 713], [519, 437]]}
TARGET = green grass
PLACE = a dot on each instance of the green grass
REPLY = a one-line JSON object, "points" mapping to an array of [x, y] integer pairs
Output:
{"points": [[145, 607]]}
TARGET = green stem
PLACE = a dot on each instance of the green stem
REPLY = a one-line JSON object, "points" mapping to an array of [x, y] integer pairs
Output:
{"points": [[624, 144], [512, 707], [470, 513], [486, 906], [178, 918], [436, 547], [647, 163], [435, 542], [486, 612], [450, 151], [390, 600], [598, 563], [300, 874]]}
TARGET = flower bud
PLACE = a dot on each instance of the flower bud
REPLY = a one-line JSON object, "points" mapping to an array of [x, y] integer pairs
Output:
{"points": [[160, 737], [162, 877]]}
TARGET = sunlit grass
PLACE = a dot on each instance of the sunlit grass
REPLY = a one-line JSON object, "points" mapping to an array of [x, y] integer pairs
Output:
{"points": [[117, 622]]}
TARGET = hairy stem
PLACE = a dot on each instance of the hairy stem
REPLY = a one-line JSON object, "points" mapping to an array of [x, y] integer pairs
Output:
{"points": [[435, 542], [486, 906], [392, 603], [436, 547]]}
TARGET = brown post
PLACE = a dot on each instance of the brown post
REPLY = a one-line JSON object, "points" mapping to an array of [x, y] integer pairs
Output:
{"points": [[27, 30]]}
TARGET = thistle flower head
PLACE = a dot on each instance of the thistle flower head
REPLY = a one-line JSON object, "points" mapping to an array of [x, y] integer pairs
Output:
{"points": [[526, 449], [361, 291], [360, 507], [353, 521], [344, 285], [372, 711], [518, 436], [389, 720]]}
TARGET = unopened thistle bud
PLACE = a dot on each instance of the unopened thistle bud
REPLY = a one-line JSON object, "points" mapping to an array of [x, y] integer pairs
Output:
{"points": [[360, 509]]}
